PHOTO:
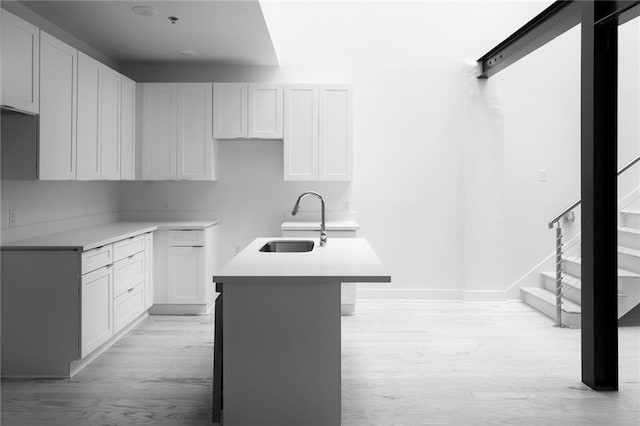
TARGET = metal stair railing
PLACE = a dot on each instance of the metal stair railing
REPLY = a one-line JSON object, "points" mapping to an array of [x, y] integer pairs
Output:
{"points": [[554, 222]]}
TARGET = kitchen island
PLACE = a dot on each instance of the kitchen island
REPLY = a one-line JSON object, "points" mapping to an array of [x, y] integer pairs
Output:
{"points": [[281, 327]]}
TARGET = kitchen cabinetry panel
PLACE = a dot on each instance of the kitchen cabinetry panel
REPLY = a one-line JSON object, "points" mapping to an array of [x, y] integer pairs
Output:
{"points": [[58, 80], [88, 132], [230, 109], [159, 132], [109, 124], [97, 314], [127, 129], [265, 111], [148, 278], [335, 133], [195, 140], [186, 270], [127, 273], [301, 132], [127, 307], [20, 63], [97, 258]]}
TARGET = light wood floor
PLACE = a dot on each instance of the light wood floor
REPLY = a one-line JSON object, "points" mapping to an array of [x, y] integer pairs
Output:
{"points": [[404, 363]]}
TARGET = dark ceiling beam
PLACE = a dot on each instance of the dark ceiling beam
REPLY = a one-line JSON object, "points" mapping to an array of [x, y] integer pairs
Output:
{"points": [[617, 12], [552, 22]]}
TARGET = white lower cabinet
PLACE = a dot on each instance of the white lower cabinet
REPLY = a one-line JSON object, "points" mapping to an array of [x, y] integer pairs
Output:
{"points": [[184, 265], [186, 274], [113, 288], [97, 311]]}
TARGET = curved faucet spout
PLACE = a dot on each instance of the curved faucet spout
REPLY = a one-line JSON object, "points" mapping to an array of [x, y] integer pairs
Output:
{"points": [[323, 230]]}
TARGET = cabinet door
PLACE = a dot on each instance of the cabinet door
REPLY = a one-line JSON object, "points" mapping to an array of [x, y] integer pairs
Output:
{"points": [[20, 63], [88, 125], [159, 131], [335, 133], [265, 109], [127, 128], [230, 110], [58, 80], [300, 132], [195, 140], [148, 278], [186, 270], [97, 309], [109, 124]]}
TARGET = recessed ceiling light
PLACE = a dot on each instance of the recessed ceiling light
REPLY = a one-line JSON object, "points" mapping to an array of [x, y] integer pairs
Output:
{"points": [[144, 10], [186, 52]]}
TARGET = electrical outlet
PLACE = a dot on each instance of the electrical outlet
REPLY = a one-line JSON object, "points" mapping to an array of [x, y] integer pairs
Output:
{"points": [[236, 249], [12, 218], [346, 205], [165, 204]]}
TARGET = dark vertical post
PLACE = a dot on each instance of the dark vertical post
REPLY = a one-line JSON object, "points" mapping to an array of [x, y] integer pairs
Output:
{"points": [[599, 198]]}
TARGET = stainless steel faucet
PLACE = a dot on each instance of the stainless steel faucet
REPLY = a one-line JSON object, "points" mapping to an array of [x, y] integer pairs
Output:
{"points": [[323, 229]]}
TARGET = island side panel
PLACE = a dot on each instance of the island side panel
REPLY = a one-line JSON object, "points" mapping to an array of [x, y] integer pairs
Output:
{"points": [[40, 312], [281, 355]]}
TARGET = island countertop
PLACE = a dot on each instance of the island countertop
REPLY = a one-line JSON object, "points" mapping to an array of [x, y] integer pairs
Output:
{"points": [[342, 259]]}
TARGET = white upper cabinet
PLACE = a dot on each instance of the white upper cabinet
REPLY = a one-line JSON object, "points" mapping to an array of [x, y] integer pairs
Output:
{"points": [[230, 109], [109, 124], [195, 140], [265, 104], [301, 132], [336, 133], [127, 129], [318, 132], [176, 131], [58, 80], [159, 131], [247, 110], [88, 146], [20, 63]]}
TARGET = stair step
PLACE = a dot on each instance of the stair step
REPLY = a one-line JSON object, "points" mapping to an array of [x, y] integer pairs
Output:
{"points": [[572, 267], [545, 301], [629, 237], [629, 259], [570, 286], [630, 218]]}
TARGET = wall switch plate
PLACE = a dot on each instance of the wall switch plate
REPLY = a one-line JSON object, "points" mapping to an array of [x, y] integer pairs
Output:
{"points": [[543, 175], [165, 204], [12, 218]]}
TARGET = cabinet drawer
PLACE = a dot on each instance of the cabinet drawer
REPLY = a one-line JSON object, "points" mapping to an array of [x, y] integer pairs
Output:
{"points": [[192, 238], [127, 273], [126, 248], [127, 307], [97, 258]]}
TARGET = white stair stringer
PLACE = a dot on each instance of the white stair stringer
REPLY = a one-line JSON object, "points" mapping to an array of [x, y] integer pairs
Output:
{"points": [[544, 299]]}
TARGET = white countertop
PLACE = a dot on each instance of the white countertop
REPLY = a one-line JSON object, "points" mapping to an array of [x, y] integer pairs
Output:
{"points": [[342, 260], [333, 225], [99, 235]]}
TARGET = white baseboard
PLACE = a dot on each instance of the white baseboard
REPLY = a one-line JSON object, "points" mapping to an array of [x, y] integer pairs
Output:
{"points": [[175, 309], [408, 294], [485, 296]]}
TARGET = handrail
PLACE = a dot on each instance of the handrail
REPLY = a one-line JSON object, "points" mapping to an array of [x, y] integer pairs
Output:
{"points": [[575, 204]]}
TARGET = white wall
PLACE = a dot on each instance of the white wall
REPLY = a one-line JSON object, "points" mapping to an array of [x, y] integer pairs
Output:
{"points": [[406, 61], [47, 207]]}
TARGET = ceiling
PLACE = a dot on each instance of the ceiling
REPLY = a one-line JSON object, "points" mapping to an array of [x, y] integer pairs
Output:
{"points": [[229, 32]]}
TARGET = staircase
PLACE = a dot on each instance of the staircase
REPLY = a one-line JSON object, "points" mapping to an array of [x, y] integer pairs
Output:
{"points": [[544, 298]]}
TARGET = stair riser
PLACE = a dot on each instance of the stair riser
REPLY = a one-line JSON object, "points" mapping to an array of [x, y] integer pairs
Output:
{"points": [[629, 262], [570, 292], [571, 268], [629, 239], [631, 220], [570, 320]]}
